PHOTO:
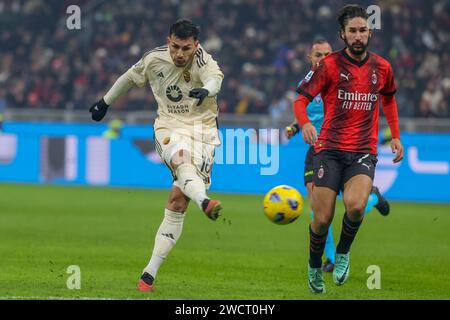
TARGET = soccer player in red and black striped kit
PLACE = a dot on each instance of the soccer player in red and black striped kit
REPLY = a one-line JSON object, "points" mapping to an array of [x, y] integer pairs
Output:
{"points": [[352, 82]]}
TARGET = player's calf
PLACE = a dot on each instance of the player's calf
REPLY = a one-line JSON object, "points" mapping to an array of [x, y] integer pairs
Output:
{"points": [[166, 237], [190, 183], [316, 248], [348, 233]]}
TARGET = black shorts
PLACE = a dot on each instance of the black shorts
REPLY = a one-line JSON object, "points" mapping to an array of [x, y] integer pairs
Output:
{"points": [[333, 168], [309, 166]]}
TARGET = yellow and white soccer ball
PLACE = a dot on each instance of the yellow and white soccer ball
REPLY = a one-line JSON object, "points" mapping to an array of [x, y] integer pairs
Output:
{"points": [[283, 204]]}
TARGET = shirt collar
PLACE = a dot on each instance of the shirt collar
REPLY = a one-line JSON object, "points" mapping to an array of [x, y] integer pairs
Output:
{"points": [[353, 61]]}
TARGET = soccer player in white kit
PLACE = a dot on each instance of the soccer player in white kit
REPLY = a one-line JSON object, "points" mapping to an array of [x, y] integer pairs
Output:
{"points": [[185, 81]]}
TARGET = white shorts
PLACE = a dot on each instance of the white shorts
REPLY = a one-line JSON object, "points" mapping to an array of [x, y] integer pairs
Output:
{"points": [[168, 142]]}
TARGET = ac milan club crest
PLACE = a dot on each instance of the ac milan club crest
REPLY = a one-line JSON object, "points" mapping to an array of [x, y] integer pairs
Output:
{"points": [[374, 77], [320, 173]]}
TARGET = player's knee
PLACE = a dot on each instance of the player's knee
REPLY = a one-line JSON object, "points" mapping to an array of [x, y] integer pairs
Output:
{"points": [[355, 207], [322, 221], [177, 203], [182, 156]]}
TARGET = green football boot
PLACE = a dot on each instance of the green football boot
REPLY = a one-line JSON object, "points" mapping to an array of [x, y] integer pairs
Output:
{"points": [[315, 280], [341, 268]]}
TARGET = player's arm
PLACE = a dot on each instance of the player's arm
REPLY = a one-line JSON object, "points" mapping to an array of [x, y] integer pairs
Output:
{"points": [[135, 76], [211, 77], [309, 133], [310, 87], [390, 111]]}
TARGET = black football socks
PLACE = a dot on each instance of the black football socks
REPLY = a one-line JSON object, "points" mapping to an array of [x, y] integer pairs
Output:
{"points": [[348, 233], [316, 248]]}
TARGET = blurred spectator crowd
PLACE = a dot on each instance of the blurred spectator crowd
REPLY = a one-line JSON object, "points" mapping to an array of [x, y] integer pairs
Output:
{"points": [[261, 46]]}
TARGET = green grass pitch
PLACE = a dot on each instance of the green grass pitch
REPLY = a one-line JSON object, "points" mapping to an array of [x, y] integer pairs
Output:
{"points": [[109, 234]]}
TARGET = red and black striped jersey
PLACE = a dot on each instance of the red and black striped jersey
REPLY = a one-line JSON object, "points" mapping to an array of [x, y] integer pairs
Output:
{"points": [[350, 91]]}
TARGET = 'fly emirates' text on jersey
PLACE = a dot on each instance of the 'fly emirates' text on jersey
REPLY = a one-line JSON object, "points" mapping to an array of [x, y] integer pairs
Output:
{"points": [[171, 85], [350, 91]]}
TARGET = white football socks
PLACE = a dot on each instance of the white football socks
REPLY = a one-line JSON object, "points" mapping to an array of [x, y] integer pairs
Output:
{"points": [[168, 233], [191, 184]]}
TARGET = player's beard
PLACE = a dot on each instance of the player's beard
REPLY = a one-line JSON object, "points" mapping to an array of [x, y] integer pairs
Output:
{"points": [[357, 49]]}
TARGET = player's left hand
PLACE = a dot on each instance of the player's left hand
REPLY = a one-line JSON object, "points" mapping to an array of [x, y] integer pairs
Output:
{"points": [[199, 93], [396, 147]]}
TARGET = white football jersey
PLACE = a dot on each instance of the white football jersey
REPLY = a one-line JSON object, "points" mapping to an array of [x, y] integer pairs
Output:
{"points": [[171, 85]]}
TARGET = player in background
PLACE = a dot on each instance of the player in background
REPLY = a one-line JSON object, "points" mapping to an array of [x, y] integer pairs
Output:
{"points": [[185, 81], [2, 109], [320, 49], [351, 82], [386, 136], [114, 130]]}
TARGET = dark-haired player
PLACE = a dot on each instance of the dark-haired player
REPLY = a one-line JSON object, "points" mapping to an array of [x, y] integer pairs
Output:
{"points": [[185, 81], [320, 49], [351, 82]]}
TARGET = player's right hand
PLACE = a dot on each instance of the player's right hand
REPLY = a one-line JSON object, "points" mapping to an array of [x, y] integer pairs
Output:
{"points": [[98, 110], [309, 133], [397, 148]]}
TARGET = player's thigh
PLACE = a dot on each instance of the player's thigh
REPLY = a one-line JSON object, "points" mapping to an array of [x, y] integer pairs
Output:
{"points": [[358, 177], [177, 201], [309, 167], [173, 148], [356, 192], [327, 167], [203, 160], [359, 163], [309, 189]]}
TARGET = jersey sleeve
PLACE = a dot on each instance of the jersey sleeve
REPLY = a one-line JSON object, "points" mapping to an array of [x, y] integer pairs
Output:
{"points": [[138, 72], [389, 87], [389, 105], [314, 81], [209, 72]]}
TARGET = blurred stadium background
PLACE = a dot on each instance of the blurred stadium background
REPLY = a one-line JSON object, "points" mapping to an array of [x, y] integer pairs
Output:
{"points": [[261, 46], [49, 76]]}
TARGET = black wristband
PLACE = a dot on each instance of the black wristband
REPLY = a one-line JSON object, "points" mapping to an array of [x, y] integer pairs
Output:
{"points": [[102, 103]]}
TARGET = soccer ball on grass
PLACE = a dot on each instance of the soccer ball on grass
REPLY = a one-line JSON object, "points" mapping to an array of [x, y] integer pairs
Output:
{"points": [[283, 204]]}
